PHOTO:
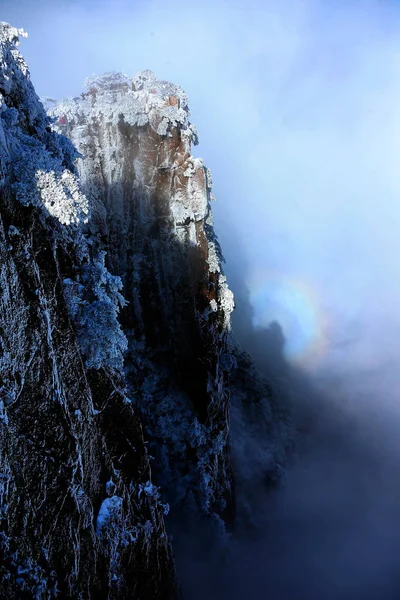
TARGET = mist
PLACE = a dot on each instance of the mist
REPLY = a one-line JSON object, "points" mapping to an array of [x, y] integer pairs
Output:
{"points": [[297, 107]]}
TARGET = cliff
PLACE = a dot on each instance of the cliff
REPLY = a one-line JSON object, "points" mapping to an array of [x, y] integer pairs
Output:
{"points": [[79, 516], [151, 209]]}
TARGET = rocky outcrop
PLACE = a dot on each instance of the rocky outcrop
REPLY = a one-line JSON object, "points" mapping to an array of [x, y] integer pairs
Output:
{"points": [[79, 516], [151, 210]]}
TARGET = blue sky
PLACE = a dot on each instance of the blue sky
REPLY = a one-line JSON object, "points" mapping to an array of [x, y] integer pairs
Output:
{"points": [[297, 107]]}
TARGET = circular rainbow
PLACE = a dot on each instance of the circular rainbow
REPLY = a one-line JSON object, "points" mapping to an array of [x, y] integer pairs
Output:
{"points": [[296, 306]]}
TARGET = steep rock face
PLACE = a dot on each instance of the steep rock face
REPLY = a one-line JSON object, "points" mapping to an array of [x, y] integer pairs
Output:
{"points": [[150, 201], [79, 517]]}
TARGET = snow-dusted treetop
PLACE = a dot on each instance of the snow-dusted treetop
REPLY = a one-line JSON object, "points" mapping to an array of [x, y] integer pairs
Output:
{"points": [[10, 34], [142, 81], [142, 100], [35, 162]]}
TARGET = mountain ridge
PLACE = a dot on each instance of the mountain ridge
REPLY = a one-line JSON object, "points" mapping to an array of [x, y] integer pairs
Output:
{"points": [[115, 329]]}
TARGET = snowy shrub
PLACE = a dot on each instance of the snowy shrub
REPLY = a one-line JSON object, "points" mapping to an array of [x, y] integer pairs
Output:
{"points": [[149, 489], [93, 302], [110, 510], [13, 231], [107, 81], [3, 414], [37, 162]]}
